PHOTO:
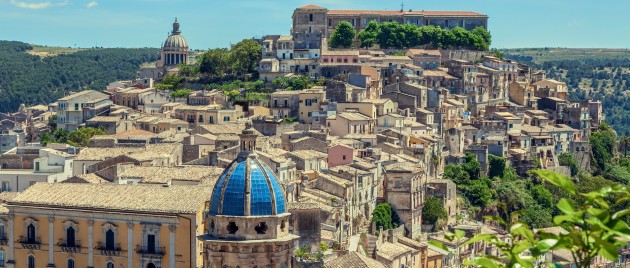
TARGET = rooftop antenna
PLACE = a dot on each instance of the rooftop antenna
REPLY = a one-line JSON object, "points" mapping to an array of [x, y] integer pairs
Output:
{"points": [[402, 6]]}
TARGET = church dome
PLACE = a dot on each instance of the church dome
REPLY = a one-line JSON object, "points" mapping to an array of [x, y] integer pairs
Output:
{"points": [[175, 40], [247, 188]]}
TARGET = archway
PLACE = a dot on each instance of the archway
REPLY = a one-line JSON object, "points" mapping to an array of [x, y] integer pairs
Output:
{"points": [[151, 265]]}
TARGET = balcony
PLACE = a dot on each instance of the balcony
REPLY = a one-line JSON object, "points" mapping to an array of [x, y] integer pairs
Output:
{"points": [[30, 242], [156, 251], [3, 240], [109, 251], [70, 247]]}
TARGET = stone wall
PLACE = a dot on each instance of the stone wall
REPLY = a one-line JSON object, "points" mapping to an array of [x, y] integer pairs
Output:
{"points": [[307, 224]]}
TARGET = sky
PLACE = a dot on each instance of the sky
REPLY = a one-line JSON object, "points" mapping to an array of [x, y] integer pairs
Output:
{"points": [[218, 23]]}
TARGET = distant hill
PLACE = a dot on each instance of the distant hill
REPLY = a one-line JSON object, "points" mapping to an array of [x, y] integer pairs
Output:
{"points": [[36, 74], [597, 74]]}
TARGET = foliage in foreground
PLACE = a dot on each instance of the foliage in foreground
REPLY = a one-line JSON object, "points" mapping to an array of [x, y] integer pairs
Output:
{"points": [[590, 228]]}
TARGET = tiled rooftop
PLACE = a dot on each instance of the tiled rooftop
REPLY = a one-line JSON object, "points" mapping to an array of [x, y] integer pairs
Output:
{"points": [[116, 197]]}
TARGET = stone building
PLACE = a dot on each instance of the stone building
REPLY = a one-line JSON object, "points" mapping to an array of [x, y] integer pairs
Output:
{"points": [[404, 185], [247, 221], [316, 20], [73, 110], [105, 225]]}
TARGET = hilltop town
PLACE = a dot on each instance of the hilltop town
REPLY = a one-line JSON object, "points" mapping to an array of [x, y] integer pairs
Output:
{"points": [[379, 152]]}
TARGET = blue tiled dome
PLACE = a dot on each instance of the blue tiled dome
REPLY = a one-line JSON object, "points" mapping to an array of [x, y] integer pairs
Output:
{"points": [[247, 188]]}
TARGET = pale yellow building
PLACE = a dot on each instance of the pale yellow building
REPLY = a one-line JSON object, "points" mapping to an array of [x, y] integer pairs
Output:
{"points": [[105, 225], [310, 101]]}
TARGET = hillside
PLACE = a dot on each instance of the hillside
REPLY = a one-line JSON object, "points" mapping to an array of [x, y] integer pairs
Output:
{"points": [[35, 74], [598, 74]]}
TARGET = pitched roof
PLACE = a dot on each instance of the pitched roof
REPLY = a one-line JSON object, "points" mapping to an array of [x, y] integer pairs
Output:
{"points": [[432, 52], [86, 178], [353, 259], [311, 6], [391, 251], [166, 174], [150, 152], [118, 197]]}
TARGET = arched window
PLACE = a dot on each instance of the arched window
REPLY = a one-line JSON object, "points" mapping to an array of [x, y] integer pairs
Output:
{"points": [[70, 263], [110, 265], [30, 233], [31, 261]]}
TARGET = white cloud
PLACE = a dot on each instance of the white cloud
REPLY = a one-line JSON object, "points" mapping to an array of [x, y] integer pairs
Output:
{"points": [[91, 4], [37, 5]]}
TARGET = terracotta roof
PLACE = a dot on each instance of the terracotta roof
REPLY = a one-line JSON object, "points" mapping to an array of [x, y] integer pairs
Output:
{"points": [[353, 259], [311, 6], [109, 196]]}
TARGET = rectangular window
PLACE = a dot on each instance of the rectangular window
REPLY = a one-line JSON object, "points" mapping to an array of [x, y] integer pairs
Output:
{"points": [[151, 243], [310, 17], [5, 186], [76, 106], [329, 23], [211, 119], [200, 118], [226, 118]]}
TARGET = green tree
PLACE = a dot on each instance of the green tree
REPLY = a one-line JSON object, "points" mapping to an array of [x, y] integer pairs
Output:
{"points": [[567, 159], [542, 196], [59, 135], [433, 211], [343, 35], [390, 35], [478, 192], [483, 38], [215, 62], [181, 93], [472, 166], [369, 35], [496, 166], [245, 56], [300, 82], [429, 35], [280, 83], [82, 136], [602, 147], [171, 82], [383, 215], [457, 174]]}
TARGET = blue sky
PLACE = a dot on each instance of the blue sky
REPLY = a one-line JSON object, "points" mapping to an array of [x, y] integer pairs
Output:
{"points": [[212, 23]]}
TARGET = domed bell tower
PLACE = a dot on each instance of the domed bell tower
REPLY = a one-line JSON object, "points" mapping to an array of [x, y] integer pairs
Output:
{"points": [[248, 141]]}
